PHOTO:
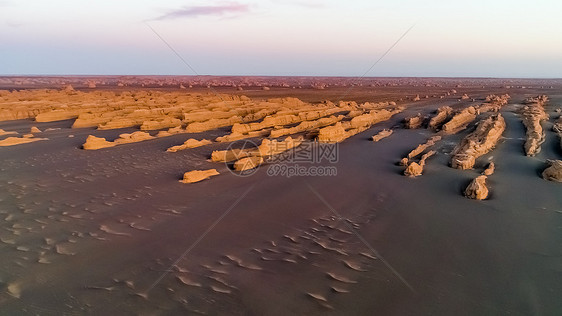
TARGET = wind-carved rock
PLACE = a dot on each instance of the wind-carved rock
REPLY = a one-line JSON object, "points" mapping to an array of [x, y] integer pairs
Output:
{"points": [[460, 120], [343, 130], [422, 147], [198, 175], [477, 189], [415, 169], [413, 122], [442, 114], [479, 142], [533, 115], [381, 135], [190, 143], [554, 171]]}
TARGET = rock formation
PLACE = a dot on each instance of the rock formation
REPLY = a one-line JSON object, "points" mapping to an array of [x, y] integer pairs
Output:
{"points": [[11, 141], [415, 169], [422, 147], [230, 155], [554, 171], [34, 130], [343, 130], [460, 120], [442, 114], [332, 134], [490, 169], [413, 122], [248, 163], [190, 143], [479, 142], [3, 132], [557, 127], [94, 143], [477, 189], [382, 134], [273, 147], [198, 175], [533, 115]]}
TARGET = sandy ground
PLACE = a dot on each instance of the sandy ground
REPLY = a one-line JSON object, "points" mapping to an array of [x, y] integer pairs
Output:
{"points": [[113, 231]]}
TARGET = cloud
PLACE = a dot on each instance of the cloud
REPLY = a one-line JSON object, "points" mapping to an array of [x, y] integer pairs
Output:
{"points": [[196, 11]]}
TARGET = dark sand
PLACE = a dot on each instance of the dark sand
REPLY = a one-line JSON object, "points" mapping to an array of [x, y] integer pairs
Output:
{"points": [[91, 232]]}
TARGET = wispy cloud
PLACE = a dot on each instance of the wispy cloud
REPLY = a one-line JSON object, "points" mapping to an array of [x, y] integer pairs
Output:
{"points": [[196, 11]]}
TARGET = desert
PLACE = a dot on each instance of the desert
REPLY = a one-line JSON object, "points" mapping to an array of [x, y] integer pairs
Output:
{"points": [[125, 195]]}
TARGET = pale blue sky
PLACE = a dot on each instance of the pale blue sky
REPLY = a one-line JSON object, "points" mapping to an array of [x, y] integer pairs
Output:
{"points": [[274, 37]]}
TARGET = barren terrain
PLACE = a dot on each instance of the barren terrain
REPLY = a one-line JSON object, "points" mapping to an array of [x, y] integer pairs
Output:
{"points": [[155, 195]]}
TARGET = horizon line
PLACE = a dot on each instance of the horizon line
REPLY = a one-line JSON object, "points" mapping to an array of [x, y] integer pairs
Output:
{"points": [[278, 76]]}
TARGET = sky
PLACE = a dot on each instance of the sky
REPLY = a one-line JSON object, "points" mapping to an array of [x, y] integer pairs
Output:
{"points": [[478, 38]]}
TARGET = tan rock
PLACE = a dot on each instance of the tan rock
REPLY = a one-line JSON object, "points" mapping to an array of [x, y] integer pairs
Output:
{"points": [[190, 143], [94, 143], [230, 155], [135, 137], [248, 163], [11, 141], [460, 120], [381, 135], [166, 122], [477, 189], [198, 175], [554, 171], [332, 134], [273, 147], [415, 169], [533, 115], [413, 122], [479, 142], [34, 130], [3, 132], [441, 116], [490, 169], [422, 147], [56, 115]]}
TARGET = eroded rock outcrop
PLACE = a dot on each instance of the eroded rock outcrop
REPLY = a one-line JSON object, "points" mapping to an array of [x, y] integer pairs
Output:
{"points": [[415, 169], [493, 103], [460, 120], [248, 163], [190, 143], [343, 130], [490, 169], [557, 127], [413, 122], [198, 175], [3, 132], [533, 115], [479, 142], [382, 134], [12, 141], [554, 171], [442, 114], [95, 143], [422, 147], [230, 155], [477, 189]]}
